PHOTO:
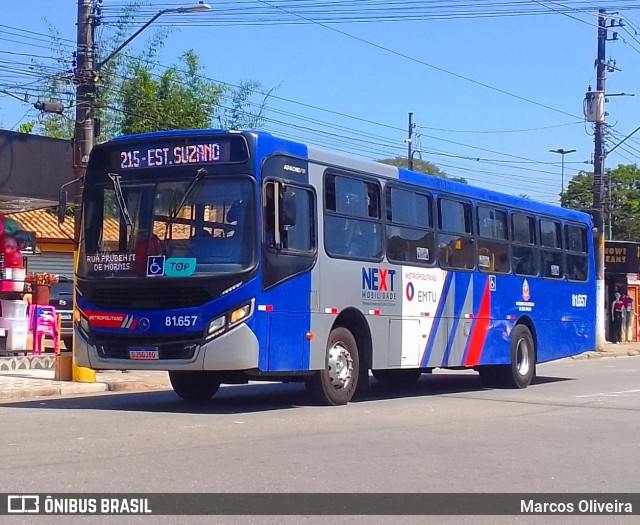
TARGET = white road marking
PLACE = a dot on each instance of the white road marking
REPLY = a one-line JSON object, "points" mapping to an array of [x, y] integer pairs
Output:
{"points": [[612, 394]]}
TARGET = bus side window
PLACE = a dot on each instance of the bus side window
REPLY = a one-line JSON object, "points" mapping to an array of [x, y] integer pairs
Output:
{"points": [[352, 219], [577, 262], [551, 252], [524, 252], [298, 219], [410, 235], [455, 238], [493, 240], [291, 213]]}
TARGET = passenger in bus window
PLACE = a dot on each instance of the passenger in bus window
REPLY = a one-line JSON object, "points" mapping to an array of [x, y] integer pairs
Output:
{"points": [[146, 247]]}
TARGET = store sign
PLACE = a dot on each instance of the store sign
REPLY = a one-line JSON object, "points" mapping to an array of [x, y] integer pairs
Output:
{"points": [[622, 257]]}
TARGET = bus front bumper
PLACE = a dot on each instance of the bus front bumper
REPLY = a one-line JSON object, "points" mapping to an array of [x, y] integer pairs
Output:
{"points": [[234, 350]]}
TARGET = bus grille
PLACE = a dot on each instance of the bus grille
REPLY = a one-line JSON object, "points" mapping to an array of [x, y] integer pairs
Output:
{"points": [[148, 298], [117, 348]]}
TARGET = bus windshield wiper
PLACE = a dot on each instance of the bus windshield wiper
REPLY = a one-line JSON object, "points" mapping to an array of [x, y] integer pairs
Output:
{"points": [[115, 178], [199, 175]]}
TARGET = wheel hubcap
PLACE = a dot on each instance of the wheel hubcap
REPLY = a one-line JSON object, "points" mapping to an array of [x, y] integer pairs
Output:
{"points": [[523, 363], [340, 365]]}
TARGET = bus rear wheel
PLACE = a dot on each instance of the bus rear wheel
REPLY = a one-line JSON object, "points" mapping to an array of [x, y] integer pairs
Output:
{"points": [[194, 386], [523, 359], [336, 384], [398, 376], [522, 367]]}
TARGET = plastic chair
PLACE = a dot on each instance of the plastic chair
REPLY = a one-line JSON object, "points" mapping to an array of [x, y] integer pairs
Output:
{"points": [[43, 321]]}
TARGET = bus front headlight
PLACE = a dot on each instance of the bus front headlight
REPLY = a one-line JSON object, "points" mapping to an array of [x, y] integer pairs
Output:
{"points": [[216, 327]]}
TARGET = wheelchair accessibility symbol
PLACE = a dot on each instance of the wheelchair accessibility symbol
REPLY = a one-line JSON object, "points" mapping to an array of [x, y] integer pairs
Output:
{"points": [[492, 283], [155, 265]]}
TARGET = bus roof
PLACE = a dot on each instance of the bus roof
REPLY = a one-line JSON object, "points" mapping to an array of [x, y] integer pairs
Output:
{"points": [[405, 175]]}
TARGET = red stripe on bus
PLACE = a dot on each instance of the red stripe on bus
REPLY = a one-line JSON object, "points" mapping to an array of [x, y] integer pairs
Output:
{"points": [[480, 331]]}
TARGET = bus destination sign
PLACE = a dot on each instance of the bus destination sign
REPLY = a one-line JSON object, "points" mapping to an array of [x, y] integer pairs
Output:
{"points": [[162, 155]]}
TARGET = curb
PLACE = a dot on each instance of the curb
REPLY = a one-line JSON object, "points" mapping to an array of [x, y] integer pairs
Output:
{"points": [[132, 386], [69, 388], [599, 355], [54, 390]]}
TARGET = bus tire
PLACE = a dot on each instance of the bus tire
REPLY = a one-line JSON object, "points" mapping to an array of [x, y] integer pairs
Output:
{"points": [[523, 359], [336, 384], [522, 367], [397, 376], [194, 386]]}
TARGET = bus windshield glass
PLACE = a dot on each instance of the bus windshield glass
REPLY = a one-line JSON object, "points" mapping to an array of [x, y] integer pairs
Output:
{"points": [[179, 228]]}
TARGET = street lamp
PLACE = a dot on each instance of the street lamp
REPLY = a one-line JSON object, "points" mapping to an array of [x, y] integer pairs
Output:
{"points": [[562, 152], [197, 8]]}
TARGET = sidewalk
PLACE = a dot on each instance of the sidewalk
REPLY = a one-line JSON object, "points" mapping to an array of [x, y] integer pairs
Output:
{"points": [[20, 384], [612, 350]]}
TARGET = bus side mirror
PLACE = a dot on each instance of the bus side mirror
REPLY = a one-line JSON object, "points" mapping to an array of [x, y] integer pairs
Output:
{"points": [[62, 207], [288, 210]]}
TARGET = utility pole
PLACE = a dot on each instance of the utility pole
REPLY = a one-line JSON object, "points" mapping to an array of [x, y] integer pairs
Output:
{"points": [[609, 204], [409, 143], [83, 137], [85, 98], [598, 170]]}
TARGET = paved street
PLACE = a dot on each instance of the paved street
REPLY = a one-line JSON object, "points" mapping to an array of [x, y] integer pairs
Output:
{"points": [[575, 430]]}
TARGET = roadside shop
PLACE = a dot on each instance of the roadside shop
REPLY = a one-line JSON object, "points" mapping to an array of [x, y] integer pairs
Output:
{"points": [[622, 276]]}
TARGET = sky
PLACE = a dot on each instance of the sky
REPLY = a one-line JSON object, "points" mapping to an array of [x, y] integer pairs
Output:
{"points": [[493, 85]]}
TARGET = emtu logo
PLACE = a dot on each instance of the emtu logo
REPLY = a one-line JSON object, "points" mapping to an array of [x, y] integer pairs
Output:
{"points": [[378, 283]]}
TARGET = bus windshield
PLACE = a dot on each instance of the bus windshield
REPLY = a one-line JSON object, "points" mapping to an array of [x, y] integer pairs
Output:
{"points": [[177, 228]]}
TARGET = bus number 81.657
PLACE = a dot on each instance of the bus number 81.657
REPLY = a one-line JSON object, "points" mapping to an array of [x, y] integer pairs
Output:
{"points": [[579, 300], [180, 320]]}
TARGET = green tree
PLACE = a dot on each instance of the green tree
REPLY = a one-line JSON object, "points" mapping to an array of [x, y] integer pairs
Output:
{"points": [[422, 166], [175, 100], [26, 127], [624, 203]]}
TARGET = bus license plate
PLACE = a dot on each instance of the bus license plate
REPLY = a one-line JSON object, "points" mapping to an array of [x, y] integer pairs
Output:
{"points": [[144, 354]]}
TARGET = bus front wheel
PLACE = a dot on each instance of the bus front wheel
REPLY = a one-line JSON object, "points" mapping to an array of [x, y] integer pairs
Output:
{"points": [[336, 384], [194, 386]]}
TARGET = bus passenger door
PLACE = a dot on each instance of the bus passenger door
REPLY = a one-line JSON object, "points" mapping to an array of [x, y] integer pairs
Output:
{"points": [[405, 343]]}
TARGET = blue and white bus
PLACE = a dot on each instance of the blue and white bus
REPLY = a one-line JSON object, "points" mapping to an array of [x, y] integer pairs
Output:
{"points": [[225, 257]]}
